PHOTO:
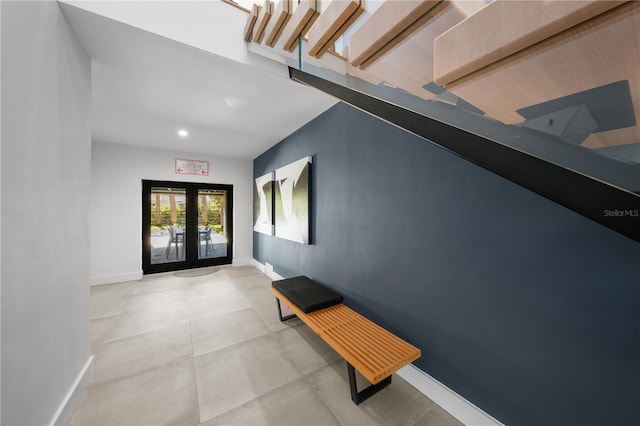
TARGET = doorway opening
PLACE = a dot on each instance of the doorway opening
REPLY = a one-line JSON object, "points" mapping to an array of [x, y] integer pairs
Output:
{"points": [[186, 225]]}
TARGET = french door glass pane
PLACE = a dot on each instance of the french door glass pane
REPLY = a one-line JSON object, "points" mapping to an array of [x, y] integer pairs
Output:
{"points": [[186, 225], [168, 224], [211, 224]]}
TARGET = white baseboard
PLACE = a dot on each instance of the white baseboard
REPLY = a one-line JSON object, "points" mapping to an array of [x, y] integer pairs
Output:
{"points": [[275, 275], [71, 400], [447, 399], [267, 268], [450, 401], [257, 264], [115, 278]]}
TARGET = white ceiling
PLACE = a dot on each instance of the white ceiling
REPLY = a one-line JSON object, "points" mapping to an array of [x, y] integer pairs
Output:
{"points": [[146, 87]]}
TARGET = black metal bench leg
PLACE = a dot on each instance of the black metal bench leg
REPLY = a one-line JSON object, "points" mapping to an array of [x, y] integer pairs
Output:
{"points": [[288, 317], [358, 397]]}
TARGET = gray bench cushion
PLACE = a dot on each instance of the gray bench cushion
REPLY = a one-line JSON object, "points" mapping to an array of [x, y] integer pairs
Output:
{"points": [[307, 294]]}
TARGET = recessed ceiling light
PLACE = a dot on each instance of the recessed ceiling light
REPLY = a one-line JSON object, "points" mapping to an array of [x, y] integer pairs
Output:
{"points": [[183, 133]]}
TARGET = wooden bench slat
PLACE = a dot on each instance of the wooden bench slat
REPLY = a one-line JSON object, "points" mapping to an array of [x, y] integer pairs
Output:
{"points": [[370, 329], [375, 352], [376, 358], [353, 354], [382, 366], [332, 319], [381, 351]]}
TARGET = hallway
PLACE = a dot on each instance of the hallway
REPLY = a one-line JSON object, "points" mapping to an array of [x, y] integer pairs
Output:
{"points": [[211, 350]]}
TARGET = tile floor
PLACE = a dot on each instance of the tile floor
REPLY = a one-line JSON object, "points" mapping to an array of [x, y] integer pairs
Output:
{"points": [[211, 350]]}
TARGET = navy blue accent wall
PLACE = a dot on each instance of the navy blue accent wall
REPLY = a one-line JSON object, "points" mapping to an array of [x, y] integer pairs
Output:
{"points": [[525, 308]]}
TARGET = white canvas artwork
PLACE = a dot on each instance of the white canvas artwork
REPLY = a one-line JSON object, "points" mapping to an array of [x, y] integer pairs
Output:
{"points": [[292, 201], [263, 204]]}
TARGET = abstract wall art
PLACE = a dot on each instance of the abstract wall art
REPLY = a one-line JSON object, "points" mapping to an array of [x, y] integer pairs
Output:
{"points": [[292, 201], [263, 204]]}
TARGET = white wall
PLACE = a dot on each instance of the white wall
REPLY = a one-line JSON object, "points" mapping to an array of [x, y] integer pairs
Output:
{"points": [[212, 26], [46, 157], [116, 204], [0, 226]]}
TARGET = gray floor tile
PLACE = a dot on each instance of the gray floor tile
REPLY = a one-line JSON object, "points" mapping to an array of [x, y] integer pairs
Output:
{"points": [[294, 404], [159, 301], [112, 290], [122, 358], [257, 294], [230, 377], [436, 416], [225, 301], [133, 323], [100, 328], [213, 330], [247, 281], [155, 339], [205, 287], [241, 271], [106, 305], [165, 396], [331, 385], [305, 348], [215, 273], [398, 404], [158, 282], [269, 314]]}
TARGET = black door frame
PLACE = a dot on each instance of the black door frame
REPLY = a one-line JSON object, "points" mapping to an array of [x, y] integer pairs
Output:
{"points": [[191, 219]]}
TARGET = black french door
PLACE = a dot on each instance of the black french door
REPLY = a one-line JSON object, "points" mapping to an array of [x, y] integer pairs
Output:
{"points": [[185, 225]]}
